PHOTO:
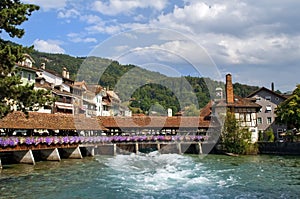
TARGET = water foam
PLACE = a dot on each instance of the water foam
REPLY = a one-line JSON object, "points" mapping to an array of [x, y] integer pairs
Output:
{"points": [[156, 172]]}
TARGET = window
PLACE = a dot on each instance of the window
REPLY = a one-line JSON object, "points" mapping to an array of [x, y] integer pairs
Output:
{"points": [[29, 77], [277, 98], [259, 120], [268, 98], [269, 120], [268, 108], [248, 117]]}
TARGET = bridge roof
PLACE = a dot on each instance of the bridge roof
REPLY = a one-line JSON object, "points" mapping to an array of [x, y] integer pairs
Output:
{"points": [[18, 120], [154, 122], [35, 120]]}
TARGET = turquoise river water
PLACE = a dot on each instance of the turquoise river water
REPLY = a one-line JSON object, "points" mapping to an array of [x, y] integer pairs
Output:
{"points": [[155, 176]]}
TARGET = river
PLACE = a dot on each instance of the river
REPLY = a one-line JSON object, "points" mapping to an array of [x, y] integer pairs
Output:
{"points": [[155, 176]]}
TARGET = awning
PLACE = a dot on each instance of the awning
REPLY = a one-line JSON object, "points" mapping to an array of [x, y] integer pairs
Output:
{"points": [[64, 107]]}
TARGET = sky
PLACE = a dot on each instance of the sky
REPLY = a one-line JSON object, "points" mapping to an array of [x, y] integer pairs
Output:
{"points": [[258, 42]]}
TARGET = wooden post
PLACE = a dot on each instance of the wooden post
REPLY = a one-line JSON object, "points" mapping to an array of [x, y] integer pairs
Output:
{"points": [[0, 164], [158, 146]]}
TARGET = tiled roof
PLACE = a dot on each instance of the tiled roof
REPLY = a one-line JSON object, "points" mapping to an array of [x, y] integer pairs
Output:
{"points": [[206, 110], [154, 122], [269, 91], [238, 102], [33, 69], [18, 120], [95, 88]]}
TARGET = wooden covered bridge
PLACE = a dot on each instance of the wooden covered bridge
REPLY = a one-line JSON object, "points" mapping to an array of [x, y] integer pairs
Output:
{"points": [[52, 136]]}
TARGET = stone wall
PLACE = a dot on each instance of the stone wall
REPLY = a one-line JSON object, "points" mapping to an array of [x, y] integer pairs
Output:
{"points": [[279, 148]]}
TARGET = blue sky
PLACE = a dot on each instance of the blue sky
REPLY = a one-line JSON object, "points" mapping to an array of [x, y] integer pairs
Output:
{"points": [[258, 42]]}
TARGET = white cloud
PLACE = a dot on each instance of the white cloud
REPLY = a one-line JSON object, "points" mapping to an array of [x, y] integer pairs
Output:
{"points": [[91, 19], [68, 13], [49, 46], [48, 4], [115, 7], [78, 38]]}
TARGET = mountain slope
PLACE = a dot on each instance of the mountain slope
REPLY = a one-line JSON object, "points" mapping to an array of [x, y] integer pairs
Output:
{"points": [[141, 87]]}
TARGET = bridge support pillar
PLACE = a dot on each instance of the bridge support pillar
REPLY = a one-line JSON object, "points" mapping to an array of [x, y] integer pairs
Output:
{"points": [[158, 146], [114, 149], [200, 148], [73, 153], [92, 151], [25, 157], [136, 148], [50, 154], [0, 164], [179, 148], [88, 151]]}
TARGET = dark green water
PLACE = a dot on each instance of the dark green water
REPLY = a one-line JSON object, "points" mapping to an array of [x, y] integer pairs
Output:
{"points": [[155, 176]]}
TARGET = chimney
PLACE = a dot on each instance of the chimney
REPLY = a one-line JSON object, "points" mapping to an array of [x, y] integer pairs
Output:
{"points": [[43, 66], [64, 72], [169, 112], [229, 89], [272, 86]]}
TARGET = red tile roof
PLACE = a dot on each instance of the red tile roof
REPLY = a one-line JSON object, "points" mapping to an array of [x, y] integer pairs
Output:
{"points": [[238, 102], [18, 120], [154, 122]]}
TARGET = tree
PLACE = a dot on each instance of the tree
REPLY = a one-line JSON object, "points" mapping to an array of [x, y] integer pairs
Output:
{"points": [[288, 112], [192, 110], [235, 139], [14, 95]]}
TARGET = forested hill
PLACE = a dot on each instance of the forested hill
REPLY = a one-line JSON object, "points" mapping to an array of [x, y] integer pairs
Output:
{"points": [[137, 87]]}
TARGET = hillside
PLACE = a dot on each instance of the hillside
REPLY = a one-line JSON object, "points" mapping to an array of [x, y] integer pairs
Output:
{"points": [[138, 87]]}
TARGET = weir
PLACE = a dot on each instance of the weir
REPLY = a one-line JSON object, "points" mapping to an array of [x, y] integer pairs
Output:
{"points": [[30, 156], [141, 147]]}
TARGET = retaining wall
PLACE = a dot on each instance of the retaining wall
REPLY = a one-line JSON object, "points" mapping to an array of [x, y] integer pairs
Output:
{"points": [[279, 148]]}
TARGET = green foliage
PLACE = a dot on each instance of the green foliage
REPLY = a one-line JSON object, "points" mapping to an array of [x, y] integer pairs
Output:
{"points": [[243, 90], [270, 135], [56, 62], [235, 139], [288, 112], [146, 87], [13, 13], [192, 110], [14, 95]]}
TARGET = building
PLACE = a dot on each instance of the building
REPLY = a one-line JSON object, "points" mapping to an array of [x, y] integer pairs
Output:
{"points": [[244, 109], [71, 97], [27, 71], [60, 87], [268, 100]]}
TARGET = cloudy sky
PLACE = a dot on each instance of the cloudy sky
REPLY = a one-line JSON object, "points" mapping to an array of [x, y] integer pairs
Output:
{"points": [[258, 42]]}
